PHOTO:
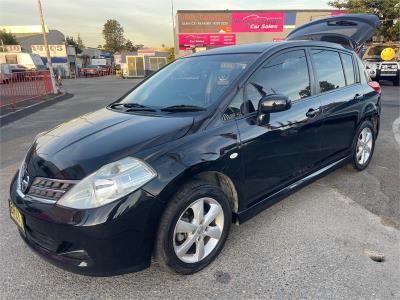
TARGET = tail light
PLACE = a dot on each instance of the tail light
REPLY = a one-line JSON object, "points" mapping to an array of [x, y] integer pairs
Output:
{"points": [[375, 85]]}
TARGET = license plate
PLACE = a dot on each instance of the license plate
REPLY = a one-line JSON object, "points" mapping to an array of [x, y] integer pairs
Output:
{"points": [[389, 67], [16, 216]]}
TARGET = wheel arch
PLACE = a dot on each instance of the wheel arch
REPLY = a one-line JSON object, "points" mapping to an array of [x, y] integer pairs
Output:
{"points": [[215, 177], [371, 114]]}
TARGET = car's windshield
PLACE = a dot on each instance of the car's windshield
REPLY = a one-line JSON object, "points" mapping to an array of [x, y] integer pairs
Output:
{"points": [[374, 52], [192, 81]]}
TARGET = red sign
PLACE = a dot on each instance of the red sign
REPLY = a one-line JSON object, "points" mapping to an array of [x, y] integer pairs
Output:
{"points": [[187, 41], [338, 12], [258, 22]]}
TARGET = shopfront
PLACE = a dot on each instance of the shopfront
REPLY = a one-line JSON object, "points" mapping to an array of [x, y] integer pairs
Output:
{"points": [[201, 30], [63, 58]]}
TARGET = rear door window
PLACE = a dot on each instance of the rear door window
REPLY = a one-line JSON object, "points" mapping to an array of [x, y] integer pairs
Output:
{"points": [[328, 69], [348, 68]]}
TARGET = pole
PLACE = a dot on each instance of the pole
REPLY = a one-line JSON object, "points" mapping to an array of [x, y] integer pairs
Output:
{"points": [[46, 45], [173, 25]]}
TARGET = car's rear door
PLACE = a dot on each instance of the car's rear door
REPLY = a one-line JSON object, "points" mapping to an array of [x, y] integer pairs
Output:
{"points": [[285, 146], [341, 95]]}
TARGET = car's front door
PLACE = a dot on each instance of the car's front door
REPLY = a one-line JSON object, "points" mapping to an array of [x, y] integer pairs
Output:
{"points": [[285, 146]]}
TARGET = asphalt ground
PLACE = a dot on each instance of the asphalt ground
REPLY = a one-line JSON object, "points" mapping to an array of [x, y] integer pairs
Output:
{"points": [[313, 244]]}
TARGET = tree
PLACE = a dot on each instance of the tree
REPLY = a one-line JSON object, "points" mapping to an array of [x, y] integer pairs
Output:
{"points": [[171, 55], [71, 41], [388, 12], [80, 42], [113, 34], [129, 46], [7, 38]]}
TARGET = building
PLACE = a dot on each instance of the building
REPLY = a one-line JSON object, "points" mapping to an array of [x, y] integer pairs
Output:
{"points": [[199, 30], [141, 63], [30, 39], [91, 56]]}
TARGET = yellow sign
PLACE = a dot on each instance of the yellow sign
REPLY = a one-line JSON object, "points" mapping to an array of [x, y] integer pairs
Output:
{"points": [[388, 53], [16, 215]]}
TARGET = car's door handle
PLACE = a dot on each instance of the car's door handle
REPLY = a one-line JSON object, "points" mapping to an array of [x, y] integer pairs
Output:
{"points": [[312, 112], [358, 97]]}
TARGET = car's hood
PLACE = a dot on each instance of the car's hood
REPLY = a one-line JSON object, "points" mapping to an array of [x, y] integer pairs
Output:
{"points": [[82, 145], [351, 30]]}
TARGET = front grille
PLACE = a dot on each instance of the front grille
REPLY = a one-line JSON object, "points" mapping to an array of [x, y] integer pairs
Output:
{"points": [[50, 189], [389, 66]]}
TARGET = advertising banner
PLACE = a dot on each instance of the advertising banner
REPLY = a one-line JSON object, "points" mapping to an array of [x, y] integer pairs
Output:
{"points": [[55, 50], [204, 22], [258, 22], [188, 41], [11, 48]]}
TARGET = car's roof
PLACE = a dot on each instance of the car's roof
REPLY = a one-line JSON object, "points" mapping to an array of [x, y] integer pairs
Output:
{"points": [[263, 47]]}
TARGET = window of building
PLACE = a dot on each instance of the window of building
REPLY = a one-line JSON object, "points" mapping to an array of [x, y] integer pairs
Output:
{"points": [[11, 59], [285, 74], [157, 63], [328, 68]]}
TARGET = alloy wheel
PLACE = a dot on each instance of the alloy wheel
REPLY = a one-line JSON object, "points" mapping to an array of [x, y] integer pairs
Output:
{"points": [[198, 230], [364, 146]]}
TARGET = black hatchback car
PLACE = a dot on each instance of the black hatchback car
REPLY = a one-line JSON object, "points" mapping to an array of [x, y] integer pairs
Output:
{"points": [[211, 139]]}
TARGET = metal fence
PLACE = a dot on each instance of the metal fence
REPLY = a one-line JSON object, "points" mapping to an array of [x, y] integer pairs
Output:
{"points": [[20, 86]]}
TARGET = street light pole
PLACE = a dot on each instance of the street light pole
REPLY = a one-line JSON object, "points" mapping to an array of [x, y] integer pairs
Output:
{"points": [[46, 45], [173, 25], [172, 16]]}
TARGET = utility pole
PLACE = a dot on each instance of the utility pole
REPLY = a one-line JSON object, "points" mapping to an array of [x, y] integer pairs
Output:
{"points": [[173, 25], [46, 45]]}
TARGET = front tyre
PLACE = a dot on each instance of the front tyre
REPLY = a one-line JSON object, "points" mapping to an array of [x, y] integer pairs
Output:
{"points": [[364, 146], [193, 228]]}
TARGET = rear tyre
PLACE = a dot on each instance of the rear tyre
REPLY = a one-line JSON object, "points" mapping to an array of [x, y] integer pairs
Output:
{"points": [[193, 228], [363, 146]]}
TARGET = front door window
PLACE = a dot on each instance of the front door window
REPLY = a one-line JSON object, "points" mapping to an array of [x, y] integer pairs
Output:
{"points": [[285, 74]]}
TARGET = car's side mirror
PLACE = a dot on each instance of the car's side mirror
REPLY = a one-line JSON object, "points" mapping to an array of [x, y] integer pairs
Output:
{"points": [[274, 103]]}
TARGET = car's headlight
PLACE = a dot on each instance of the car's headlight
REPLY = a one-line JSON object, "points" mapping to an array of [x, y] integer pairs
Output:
{"points": [[370, 65], [109, 183]]}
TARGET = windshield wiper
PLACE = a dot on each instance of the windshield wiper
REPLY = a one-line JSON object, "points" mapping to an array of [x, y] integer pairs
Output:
{"points": [[133, 107], [182, 108]]}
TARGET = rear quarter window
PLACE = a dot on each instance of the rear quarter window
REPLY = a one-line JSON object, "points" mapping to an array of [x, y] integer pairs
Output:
{"points": [[348, 68]]}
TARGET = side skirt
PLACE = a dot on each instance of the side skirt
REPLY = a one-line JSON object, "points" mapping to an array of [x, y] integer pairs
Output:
{"points": [[250, 212]]}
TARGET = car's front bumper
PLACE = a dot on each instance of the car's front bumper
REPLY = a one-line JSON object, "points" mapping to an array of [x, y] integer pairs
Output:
{"points": [[109, 240]]}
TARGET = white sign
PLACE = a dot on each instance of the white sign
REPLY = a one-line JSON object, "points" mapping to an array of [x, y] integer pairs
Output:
{"points": [[23, 29], [99, 61], [11, 48], [117, 59], [55, 50]]}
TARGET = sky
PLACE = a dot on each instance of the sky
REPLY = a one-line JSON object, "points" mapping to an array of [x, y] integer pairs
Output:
{"points": [[146, 22]]}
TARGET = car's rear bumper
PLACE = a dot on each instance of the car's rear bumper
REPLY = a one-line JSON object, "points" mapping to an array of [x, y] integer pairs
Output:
{"points": [[110, 240]]}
